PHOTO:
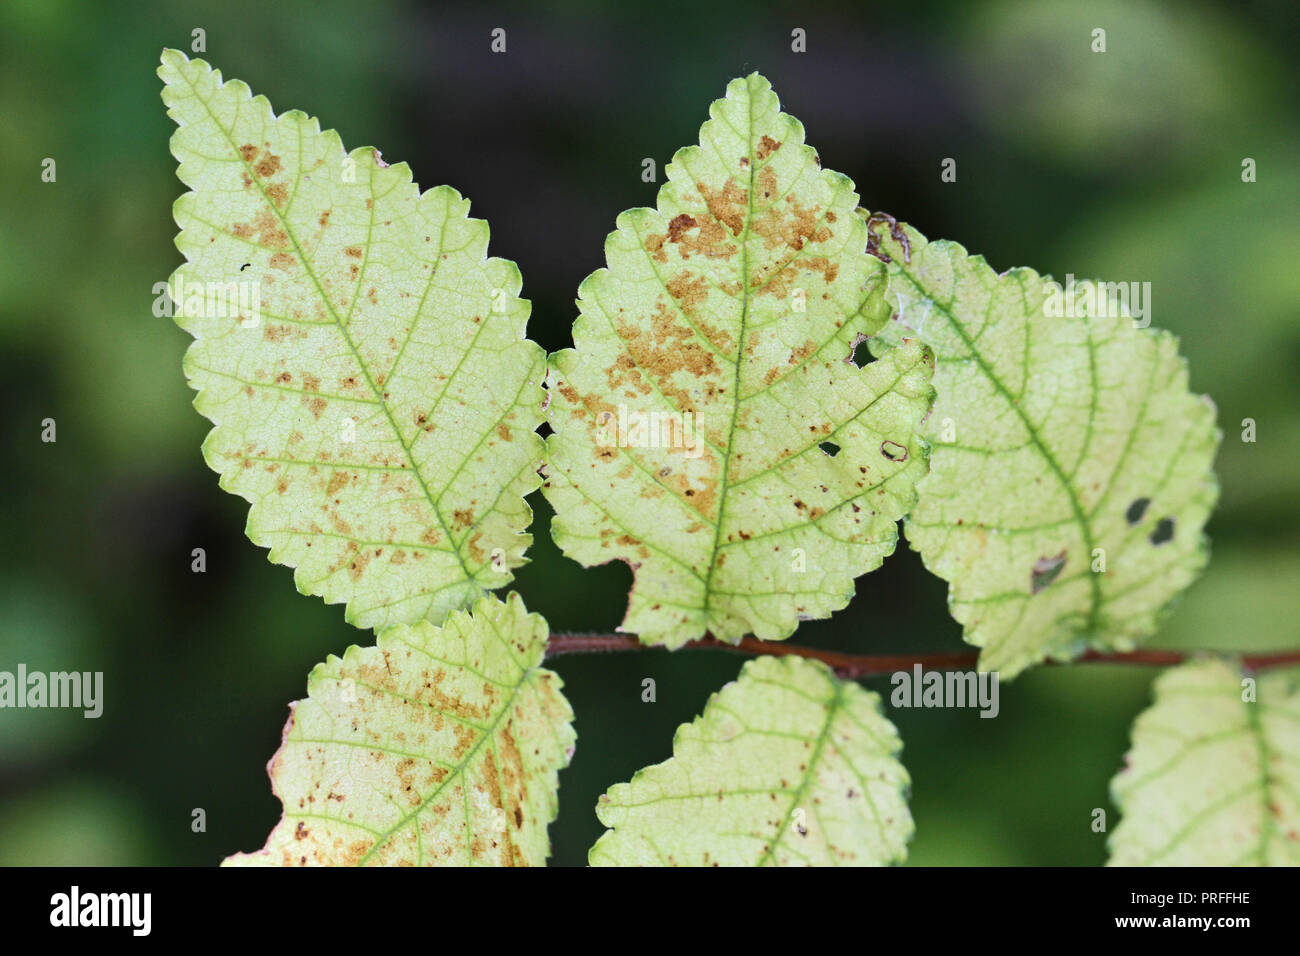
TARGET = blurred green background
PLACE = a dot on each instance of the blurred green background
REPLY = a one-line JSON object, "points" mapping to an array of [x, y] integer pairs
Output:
{"points": [[1124, 165]]}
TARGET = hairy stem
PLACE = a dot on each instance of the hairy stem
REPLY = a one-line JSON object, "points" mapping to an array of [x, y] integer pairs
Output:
{"points": [[853, 666]]}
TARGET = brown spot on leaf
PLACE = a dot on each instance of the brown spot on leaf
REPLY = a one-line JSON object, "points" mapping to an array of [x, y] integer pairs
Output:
{"points": [[688, 291], [708, 238], [654, 244], [267, 166], [269, 232], [513, 770], [669, 348], [790, 224], [678, 226], [702, 498], [405, 770], [766, 147], [797, 356], [727, 204], [464, 734]]}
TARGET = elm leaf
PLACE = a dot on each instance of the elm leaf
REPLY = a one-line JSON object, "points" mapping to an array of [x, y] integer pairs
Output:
{"points": [[1070, 466], [788, 765], [710, 425], [1213, 775], [362, 359], [439, 746]]}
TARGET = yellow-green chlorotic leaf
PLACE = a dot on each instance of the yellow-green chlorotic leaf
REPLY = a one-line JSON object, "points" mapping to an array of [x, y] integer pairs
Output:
{"points": [[1070, 467], [438, 746], [787, 766], [1213, 776], [362, 359], [710, 425]]}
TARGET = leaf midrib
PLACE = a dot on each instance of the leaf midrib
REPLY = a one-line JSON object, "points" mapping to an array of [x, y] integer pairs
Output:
{"points": [[1264, 784], [740, 352], [1263, 753], [1035, 439], [489, 733], [832, 708]]}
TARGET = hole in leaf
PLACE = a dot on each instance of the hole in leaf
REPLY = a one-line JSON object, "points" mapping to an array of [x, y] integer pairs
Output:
{"points": [[545, 429], [893, 451], [830, 448], [859, 355], [1046, 570], [1164, 531], [1136, 510]]}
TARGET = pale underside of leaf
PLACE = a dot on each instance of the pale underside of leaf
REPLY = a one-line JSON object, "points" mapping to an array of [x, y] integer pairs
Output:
{"points": [[436, 747], [1212, 779], [710, 425], [362, 359], [787, 766], [1070, 466]]}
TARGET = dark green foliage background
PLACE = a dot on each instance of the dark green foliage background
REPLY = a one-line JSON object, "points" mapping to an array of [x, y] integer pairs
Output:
{"points": [[1124, 166]]}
